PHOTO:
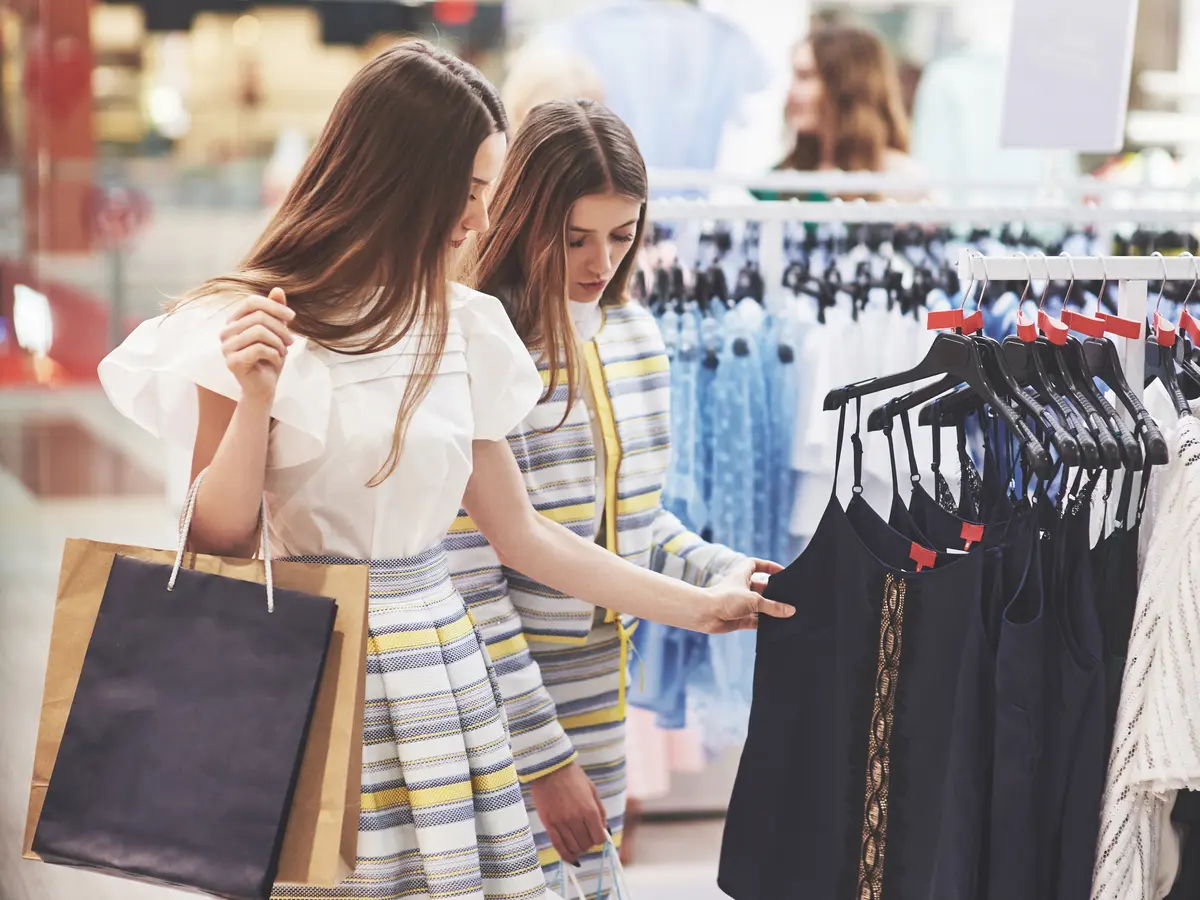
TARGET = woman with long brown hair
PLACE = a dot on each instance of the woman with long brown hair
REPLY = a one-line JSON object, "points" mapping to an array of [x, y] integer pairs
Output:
{"points": [[339, 387], [845, 108], [570, 211]]}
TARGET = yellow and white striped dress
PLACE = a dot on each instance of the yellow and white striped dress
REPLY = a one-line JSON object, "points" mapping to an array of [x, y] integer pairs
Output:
{"points": [[562, 664], [442, 812]]}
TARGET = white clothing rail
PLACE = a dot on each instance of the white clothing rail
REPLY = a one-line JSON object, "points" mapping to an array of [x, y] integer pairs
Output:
{"points": [[1086, 268], [868, 212], [838, 182]]}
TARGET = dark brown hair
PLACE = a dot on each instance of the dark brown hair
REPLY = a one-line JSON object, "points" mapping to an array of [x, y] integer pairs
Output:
{"points": [[361, 242], [863, 100], [564, 150]]}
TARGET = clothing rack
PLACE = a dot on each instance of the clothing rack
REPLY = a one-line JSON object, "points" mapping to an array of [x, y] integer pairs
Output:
{"points": [[1131, 273], [773, 214], [859, 183]]}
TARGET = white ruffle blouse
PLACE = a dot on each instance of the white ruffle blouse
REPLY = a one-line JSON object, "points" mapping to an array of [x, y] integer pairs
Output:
{"points": [[333, 419]]}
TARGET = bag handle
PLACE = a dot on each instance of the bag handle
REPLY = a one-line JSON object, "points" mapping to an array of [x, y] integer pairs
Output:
{"points": [[566, 875], [185, 526]]}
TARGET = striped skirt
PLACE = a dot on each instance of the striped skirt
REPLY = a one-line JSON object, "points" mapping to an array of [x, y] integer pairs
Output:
{"points": [[584, 682], [442, 813]]}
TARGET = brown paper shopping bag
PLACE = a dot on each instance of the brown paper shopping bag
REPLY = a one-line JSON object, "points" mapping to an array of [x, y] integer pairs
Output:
{"points": [[321, 840]]}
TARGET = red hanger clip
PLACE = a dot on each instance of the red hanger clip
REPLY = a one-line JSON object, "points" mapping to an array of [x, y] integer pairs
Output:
{"points": [[1164, 331], [1083, 324], [1189, 324], [953, 318], [1026, 328], [1120, 326], [1054, 329]]}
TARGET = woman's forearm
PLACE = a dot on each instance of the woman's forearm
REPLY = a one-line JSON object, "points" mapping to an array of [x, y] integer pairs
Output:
{"points": [[226, 519], [560, 559]]}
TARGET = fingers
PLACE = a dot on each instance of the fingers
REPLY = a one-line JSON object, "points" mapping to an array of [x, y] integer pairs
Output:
{"points": [[597, 825], [278, 296], [773, 609], [560, 844], [575, 835], [276, 309], [257, 319], [255, 334], [766, 567], [244, 360]]}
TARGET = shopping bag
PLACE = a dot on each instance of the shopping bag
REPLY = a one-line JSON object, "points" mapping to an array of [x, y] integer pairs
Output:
{"points": [[320, 844], [612, 877]]}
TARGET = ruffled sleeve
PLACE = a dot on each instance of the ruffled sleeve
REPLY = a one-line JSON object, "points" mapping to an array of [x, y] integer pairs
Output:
{"points": [[505, 382], [152, 377]]}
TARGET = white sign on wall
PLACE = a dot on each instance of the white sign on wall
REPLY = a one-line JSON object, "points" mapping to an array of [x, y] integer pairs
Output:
{"points": [[1067, 83]]}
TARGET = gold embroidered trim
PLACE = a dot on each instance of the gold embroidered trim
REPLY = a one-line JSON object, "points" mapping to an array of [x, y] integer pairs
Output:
{"points": [[875, 811]]}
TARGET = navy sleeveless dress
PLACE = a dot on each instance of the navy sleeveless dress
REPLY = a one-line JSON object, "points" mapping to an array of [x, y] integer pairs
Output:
{"points": [[843, 786]]}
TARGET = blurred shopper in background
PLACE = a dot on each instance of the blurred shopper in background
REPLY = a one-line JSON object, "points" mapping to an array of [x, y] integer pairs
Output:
{"points": [[540, 72], [845, 107]]}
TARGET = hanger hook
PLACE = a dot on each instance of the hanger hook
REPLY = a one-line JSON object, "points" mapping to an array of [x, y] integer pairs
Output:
{"points": [[1071, 263], [1046, 289], [1196, 272], [1103, 283], [1028, 281], [983, 288], [1162, 287], [970, 284]]}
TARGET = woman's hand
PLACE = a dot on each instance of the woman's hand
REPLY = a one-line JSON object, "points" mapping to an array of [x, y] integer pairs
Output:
{"points": [[736, 601], [255, 343], [571, 811]]}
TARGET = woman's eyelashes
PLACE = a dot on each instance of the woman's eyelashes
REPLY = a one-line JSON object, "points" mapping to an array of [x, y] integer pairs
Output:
{"points": [[619, 238]]}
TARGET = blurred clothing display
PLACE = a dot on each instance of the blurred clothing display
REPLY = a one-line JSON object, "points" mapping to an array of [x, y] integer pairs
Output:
{"points": [[956, 125], [676, 74]]}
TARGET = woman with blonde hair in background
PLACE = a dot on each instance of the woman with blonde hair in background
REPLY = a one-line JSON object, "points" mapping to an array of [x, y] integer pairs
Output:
{"points": [[339, 390], [570, 211]]}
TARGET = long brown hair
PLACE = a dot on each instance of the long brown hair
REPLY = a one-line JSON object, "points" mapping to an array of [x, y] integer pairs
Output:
{"points": [[361, 242], [565, 149], [862, 96]]}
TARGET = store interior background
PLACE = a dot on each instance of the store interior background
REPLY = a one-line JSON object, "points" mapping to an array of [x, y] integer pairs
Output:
{"points": [[142, 147]]}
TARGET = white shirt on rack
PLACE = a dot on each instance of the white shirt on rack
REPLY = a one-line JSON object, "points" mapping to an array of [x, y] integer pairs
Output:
{"points": [[333, 420]]}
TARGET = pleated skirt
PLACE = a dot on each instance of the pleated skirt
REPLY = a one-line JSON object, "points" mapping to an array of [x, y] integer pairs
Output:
{"points": [[442, 812]]}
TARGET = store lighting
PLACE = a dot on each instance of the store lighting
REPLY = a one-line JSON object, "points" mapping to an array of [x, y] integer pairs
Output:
{"points": [[167, 112], [247, 30], [33, 322], [104, 81]]}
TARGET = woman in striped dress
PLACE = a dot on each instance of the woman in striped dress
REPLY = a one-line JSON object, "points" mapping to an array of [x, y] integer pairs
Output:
{"points": [[358, 406], [570, 209]]}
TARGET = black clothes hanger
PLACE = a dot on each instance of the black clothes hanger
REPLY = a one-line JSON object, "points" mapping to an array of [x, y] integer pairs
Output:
{"points": [[1160, 353], [954, 355], [1071, 388], [1004, 380]]}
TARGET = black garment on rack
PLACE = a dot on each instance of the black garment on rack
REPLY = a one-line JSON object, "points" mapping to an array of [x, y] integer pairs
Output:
{"points": [[1074, 764], [990, 845], [842, 791], [1115, 568]]}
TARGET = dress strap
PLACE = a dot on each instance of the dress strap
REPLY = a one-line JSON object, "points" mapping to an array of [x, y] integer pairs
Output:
{"points": [[856, 441], [887, 433], [913, 469], [837, 458]]}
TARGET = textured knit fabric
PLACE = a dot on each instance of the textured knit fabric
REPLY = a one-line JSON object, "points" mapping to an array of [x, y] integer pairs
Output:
{"points": [[441, 805], [1156, 745]]}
